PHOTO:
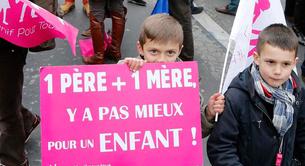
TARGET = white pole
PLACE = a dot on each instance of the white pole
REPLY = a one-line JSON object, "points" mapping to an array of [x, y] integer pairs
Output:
{"points": [[223, 73]]}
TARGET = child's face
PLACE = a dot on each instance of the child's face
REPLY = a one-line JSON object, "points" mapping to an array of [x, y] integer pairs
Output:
{"points": [[275, 64], [159, 52]]}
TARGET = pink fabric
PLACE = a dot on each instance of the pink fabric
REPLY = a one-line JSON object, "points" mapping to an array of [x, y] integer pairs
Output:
{"points": [[27, 25], [87, 120], [86, 45], [260, 7]]}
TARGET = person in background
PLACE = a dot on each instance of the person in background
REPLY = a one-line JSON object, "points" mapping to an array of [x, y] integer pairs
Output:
{"points": [[229, 9], [181, 11], [289, 10], [98, 11], [16, 122], [299, 21], [69, 5], [195, 9], [137, 2]]}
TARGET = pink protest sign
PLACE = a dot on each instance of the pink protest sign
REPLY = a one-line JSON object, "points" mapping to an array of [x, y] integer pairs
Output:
{"points": [[27, 25], [107, 115]]}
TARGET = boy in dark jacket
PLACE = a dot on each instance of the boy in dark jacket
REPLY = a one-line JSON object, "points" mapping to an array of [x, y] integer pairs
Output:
{"points": [[264, 119]]}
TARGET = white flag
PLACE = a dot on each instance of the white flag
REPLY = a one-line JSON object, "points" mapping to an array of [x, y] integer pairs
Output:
{"points": [[251, 18]]}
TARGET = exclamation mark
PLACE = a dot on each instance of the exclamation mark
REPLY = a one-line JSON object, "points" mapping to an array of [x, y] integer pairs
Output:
{"points": [[193, 130]]}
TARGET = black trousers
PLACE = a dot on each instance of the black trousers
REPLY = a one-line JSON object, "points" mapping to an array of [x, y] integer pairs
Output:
{"points": [[12, 131], [181, 10], [192, 4], [303, 67], [299, 15], [289, 8]]}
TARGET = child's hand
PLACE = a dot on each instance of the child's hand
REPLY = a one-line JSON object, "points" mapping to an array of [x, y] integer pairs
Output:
{"points": [[216, 104], [134, 64]]}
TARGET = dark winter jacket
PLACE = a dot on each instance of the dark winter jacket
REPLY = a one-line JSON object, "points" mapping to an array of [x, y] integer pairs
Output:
{"points": [[245, 134]]}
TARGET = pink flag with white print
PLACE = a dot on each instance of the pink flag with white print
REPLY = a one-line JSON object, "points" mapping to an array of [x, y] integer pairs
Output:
{"points": [[251, 18], [27, 25]]}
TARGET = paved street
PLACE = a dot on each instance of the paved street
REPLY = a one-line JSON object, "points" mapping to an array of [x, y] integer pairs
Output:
{"points": [[210, 29]]}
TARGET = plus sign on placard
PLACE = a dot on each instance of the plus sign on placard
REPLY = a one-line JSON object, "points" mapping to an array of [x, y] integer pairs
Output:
{"points": [[118, 83]]}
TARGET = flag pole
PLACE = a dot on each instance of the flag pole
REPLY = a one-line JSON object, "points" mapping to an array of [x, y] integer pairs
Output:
{"points": [[223, 72]]}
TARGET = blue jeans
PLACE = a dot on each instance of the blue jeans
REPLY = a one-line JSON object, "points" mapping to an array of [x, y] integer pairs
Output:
{"points": [[232, 6]]}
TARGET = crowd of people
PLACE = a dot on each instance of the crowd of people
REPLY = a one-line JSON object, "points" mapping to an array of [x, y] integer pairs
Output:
{"points": [[262, 114]]}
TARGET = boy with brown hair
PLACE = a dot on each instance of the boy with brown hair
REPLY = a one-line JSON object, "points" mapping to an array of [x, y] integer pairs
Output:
{"points": [[160, 40], [264, 119]]}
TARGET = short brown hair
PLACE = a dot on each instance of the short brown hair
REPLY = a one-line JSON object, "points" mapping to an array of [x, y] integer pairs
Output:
{"points": [[161, 28], [278, 35]]}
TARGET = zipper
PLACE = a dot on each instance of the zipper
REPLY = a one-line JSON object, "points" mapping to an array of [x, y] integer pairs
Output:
{"points": [[260, 108], [264, 112], [279, 155]]}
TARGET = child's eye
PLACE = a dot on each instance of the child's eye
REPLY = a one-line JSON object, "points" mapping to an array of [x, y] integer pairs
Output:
{"points": [[287, 64], [153, 52], [171, 53], [270, 62]]}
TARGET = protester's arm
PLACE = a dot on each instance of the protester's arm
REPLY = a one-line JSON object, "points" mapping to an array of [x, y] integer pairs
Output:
{"points": [[208, 113], [300, 133], [222, 143], [206, 126]]}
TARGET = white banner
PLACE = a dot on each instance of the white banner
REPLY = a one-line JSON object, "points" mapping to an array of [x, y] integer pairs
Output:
{"points": [[251, 18]]}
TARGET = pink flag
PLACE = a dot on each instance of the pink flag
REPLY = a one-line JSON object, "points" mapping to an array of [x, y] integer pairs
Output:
{"points": [[27, 25], [86, 45], [251, 18]]}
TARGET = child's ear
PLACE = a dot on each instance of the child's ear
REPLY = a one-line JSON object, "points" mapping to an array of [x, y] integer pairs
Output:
{"points": [[140, 48], [180, 49], [296, 60], [256, 58]]}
